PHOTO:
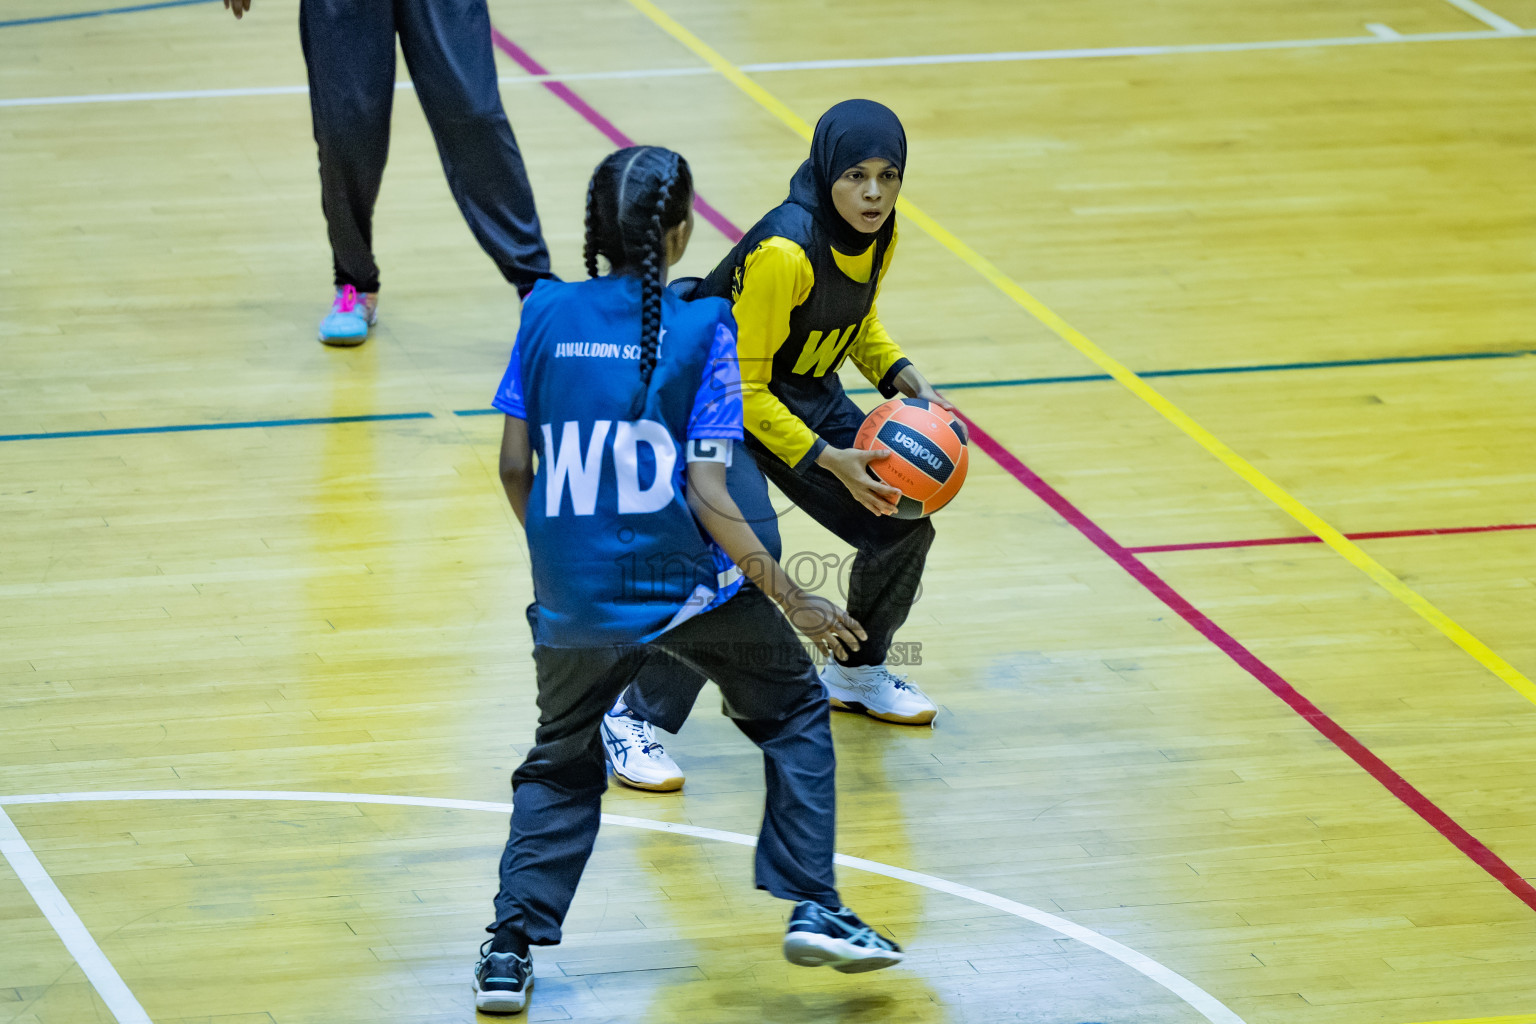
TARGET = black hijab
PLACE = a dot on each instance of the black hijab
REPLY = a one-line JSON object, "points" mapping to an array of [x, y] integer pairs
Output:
{"points": [[850, 133]]}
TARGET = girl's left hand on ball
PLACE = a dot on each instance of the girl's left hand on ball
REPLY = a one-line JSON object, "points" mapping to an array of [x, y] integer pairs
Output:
{"points": [[927, 393]]}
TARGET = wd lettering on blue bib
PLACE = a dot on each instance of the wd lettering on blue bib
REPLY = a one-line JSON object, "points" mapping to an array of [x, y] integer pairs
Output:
{"points": [[627, 439], [918, 450], [582, 474]]}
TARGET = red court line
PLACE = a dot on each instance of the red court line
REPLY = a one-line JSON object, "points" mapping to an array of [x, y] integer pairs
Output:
{"points": [[1357, 751], [1206, 545], [1229, 645], [597, 120]]}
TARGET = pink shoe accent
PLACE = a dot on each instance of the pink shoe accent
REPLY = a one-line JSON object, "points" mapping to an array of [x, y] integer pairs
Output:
{"points": [[346, 300]]}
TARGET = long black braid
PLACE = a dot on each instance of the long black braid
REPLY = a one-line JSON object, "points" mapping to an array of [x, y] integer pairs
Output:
{"points": [[636, 196], [651, 265], [589, 247]]}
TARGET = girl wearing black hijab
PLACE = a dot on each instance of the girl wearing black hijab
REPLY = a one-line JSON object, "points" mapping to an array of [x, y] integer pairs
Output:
{"points": [[803, 284]]}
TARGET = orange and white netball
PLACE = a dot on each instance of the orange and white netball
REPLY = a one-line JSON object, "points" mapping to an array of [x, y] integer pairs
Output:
{"points": [[929, 453]]}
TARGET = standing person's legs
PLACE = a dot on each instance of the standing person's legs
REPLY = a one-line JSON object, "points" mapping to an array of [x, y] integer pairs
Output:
{"points": [[349, 51], [557, 792], [664, 690], [447, 45]]}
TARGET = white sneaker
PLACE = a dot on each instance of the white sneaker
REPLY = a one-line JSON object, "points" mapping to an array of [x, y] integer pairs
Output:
{"points": [[636, 755], [876, 691]]}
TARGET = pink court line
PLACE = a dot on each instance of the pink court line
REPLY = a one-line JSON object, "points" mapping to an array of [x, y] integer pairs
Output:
{"points": [[1259, 542], [1356, 751], [525, 61]]}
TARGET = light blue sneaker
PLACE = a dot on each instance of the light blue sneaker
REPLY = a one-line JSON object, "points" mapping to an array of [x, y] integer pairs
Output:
{"points": [[350, 317]]}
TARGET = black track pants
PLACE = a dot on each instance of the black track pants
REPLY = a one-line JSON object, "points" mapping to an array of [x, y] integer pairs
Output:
{"points": [[349, 49]]}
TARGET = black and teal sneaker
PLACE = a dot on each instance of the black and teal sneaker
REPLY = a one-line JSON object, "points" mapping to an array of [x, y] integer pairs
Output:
{"points": [[502, 981], [838, 939]]}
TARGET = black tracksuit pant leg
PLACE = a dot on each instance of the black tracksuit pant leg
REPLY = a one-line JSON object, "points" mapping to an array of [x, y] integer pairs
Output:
{"points": [[774, 696], [557, 792], [349, 50], [776, 699], [447, 46]]}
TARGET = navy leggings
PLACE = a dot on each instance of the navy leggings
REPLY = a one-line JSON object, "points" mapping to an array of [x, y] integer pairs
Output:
{"points": [[772, 694], [349, 49]]}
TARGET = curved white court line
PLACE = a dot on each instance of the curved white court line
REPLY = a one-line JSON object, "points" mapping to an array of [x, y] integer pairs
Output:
{"points": [[1207, 1005]]}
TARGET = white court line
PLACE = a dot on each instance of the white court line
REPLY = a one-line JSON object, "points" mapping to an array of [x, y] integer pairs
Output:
{"points": [[1383, 31], [103, 977], [1008, 57], [1207, 1005], [302, 90], [1484, 15], [1132, 51]]}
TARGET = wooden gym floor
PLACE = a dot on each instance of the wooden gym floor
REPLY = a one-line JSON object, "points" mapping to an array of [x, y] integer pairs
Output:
{"points": [[262, 681]]}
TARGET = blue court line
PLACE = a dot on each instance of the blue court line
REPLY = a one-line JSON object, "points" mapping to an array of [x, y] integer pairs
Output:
{"points": [[1202, 371], [220, 426], [107, 10], [1206, 371]]}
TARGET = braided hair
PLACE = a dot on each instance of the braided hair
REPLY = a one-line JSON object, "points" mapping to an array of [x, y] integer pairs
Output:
{"points": [[636, 196]]}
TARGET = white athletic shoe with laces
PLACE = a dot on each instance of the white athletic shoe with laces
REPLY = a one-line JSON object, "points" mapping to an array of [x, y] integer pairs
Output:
{"points": [[637, 757], [876, 691]]}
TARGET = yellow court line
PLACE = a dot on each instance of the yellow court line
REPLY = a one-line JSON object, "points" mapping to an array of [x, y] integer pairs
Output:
{"points": [[1140, 388]]}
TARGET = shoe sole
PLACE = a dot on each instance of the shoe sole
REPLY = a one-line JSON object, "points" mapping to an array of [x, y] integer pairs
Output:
{"points": [[921, 718], [808, 949], [671, 785], [502, 1002], [347, 340]]}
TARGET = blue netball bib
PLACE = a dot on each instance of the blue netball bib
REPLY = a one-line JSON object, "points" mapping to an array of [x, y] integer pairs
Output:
{"points": [[618, 556]]}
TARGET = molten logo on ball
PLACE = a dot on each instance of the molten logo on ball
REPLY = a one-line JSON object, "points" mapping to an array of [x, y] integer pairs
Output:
{"points": [[906, 440], [928, 453]]}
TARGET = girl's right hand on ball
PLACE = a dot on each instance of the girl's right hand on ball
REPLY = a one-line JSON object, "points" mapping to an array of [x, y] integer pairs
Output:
{"points": [[851, 466]]}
